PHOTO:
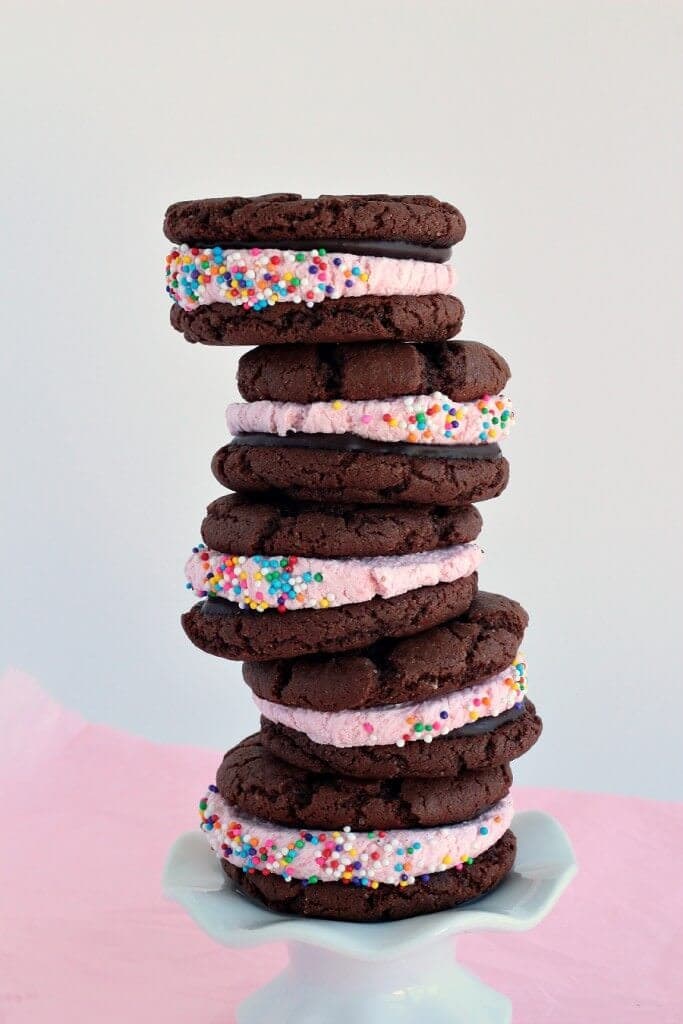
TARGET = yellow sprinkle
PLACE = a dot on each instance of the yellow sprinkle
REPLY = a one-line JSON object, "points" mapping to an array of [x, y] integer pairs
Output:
{"points": [[447, 859], [337, 404], [473, 716], [364, 277]]}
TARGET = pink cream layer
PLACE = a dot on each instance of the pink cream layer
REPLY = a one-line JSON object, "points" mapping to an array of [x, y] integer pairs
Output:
{"points": [[289, 583], [397, 857], [413, 419], [402, 723], [257, 278]]}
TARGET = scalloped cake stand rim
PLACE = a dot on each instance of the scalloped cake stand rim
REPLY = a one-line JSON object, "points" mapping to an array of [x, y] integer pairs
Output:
{"points": [[544, 867]]}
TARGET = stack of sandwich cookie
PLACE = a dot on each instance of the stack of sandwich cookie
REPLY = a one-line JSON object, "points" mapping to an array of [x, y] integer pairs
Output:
{"points": [[343, 572]]}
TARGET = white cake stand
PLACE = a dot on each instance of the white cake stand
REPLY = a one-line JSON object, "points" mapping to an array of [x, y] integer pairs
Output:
{"points": [[391, 973]]}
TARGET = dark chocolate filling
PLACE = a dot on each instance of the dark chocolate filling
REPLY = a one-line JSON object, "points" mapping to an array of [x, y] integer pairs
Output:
{"points": [[352, 443], [359, 247], [490, 723]]}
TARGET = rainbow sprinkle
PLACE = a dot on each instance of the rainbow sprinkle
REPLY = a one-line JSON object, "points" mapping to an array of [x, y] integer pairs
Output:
{"points": [[257, 278], [418, 729], [276, 579]]}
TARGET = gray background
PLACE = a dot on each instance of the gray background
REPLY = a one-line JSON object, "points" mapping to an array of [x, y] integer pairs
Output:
{"points": [[556, 127]]}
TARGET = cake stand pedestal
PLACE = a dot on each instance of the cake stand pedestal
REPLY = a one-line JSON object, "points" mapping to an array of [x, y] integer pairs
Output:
{"points": [[387, 973]]}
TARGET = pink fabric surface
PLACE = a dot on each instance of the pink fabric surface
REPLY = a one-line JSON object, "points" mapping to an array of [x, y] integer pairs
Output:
{"points": [[88, 816]]}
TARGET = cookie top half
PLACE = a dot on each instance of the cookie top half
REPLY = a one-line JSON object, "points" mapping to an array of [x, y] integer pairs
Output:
{"points": [[413, 227], [464, 370]]}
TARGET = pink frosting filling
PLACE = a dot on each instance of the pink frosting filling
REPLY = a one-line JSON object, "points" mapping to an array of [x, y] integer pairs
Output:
{"points": [[289, 583], [401, 723], [416, 419], [256, 278], [397, 857]]}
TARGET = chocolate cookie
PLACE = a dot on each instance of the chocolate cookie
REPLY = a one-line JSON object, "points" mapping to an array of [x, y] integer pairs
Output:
{"points": [[404, 318], [344, 468], [481, 642], [419, 227], [337, 901], [446, 757], [463, 370], [237, 524], [220, 627], [260, 785]]}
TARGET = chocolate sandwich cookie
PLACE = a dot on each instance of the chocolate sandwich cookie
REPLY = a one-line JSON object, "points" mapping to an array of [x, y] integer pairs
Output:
{"points": [[256, 784], [237, 523], [220, 627], [345, 468], [436, 662], [464, 370], [482, 744], [486, 723], [280, 269], [342, 901], [330, 846]]}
